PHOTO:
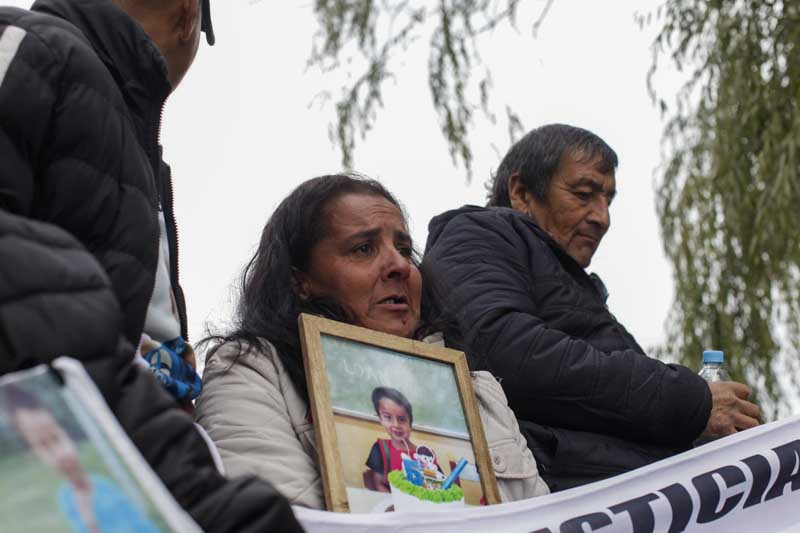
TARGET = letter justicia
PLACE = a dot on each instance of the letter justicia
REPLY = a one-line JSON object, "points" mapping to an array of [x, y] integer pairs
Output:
{"points": [[719, 493]]}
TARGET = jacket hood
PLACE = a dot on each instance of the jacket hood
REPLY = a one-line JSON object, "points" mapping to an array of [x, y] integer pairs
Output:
{"points": [[437, 223], [131, 57]]}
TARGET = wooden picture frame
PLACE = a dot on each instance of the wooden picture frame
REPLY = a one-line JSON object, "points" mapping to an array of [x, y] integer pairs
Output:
{"points": [[419, 358]]}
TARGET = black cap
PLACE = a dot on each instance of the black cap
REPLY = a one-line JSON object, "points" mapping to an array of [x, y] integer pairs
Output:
{"points": [[205, 24]]}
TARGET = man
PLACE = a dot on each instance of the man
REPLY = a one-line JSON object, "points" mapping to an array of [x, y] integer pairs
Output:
{"points": [[509, 280], [82, 86]]}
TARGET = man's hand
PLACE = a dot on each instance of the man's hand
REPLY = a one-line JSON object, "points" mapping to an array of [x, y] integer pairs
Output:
{"points": [[730, 410]]}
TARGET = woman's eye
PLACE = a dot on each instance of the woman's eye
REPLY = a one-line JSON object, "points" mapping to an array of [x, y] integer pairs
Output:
{"points": [[405, 251], [363, 249]]}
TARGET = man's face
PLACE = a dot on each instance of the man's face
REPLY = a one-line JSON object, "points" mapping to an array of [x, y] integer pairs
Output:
{"points": [[576, 213]]}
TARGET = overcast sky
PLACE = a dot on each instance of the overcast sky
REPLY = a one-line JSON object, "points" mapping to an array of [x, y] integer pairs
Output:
{"points": [[241, 132]]}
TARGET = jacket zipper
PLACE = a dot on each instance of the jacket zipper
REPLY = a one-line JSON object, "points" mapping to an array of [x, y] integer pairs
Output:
{"points": [[153, 158], [173, 255], [177, 291]]}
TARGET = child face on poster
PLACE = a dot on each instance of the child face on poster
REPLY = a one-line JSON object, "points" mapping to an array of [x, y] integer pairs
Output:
{"points": [[395, 421], [49, 442]]}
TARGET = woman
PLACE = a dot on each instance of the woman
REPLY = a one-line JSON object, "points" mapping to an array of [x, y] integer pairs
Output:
{"points": [[337, 246]]}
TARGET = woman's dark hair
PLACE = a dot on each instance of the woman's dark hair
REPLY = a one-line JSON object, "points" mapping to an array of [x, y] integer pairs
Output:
{"points": [[538, 155], [268, 303], [379, 393]]}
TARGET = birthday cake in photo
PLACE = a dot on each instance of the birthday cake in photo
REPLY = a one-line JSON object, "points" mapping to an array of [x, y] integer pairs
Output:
{"points": [[420, 486]]}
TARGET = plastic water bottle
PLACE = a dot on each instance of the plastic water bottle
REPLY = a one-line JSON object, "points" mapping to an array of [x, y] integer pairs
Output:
{"points": [[713, 369], [713, 366]]}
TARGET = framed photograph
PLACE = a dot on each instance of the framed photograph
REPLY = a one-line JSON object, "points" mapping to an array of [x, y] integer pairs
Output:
{"points": [[67, 465], [396, 422]]}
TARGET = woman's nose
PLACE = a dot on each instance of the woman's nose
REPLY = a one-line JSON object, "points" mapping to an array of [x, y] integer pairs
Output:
{"points": [[397, 265]]}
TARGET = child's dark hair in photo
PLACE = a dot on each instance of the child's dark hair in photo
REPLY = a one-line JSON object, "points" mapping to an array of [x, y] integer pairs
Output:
{"points": [[379, 393]]}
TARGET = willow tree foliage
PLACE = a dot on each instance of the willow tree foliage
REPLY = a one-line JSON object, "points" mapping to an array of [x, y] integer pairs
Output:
{"points": [[729, 197], [370, 35]]}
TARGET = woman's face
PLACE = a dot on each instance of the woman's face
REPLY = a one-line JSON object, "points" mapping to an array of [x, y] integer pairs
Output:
{"points": [[364, 263], [48, 441]]}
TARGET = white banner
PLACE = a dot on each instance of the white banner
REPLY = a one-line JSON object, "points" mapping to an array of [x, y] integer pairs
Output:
{"points": [[746, 482]]}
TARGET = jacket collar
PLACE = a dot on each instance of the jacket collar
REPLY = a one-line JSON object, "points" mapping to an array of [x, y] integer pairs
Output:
{"points": [[569, 264], [579, 273], [121, 43], [438, 223]]}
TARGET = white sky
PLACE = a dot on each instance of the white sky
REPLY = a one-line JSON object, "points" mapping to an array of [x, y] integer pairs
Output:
{"points": [[240, 133]]}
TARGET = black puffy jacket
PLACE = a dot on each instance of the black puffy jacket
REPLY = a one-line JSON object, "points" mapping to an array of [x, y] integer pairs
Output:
{"points": [[81, 91], [80, 114], [589, 401]]}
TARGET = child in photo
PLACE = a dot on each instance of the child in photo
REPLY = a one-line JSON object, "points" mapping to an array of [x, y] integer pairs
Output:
{"points": [[90, 502], [397, 417]]}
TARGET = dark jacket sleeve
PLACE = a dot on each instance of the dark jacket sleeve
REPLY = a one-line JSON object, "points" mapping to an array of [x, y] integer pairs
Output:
{"points": [[480, 265], [56, 300], [27, 103], [171, 444]]}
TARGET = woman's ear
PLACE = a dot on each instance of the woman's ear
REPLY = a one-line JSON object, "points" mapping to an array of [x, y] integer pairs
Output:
{"points": [[518, 195], [301, 284]]}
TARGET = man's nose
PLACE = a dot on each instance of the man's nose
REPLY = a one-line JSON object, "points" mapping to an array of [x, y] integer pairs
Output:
{"points": [[600, 215]]}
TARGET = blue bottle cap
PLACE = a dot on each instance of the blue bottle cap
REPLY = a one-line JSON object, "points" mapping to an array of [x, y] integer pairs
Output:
{"points": [[713, 356]]}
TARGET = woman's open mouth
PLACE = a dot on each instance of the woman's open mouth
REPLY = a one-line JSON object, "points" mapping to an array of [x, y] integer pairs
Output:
{"points": [[394, 302]]}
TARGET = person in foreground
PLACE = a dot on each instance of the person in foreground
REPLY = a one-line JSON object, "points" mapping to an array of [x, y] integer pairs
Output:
{"points": [[83, 269], [337, 246], [510, 281]]}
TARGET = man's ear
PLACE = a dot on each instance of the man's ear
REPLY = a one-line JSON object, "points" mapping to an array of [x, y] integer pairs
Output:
{"points": [[518, 194], [188, 19]]}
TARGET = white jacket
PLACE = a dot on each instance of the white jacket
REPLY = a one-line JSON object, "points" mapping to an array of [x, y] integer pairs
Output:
{"points": [[261, 425]]}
